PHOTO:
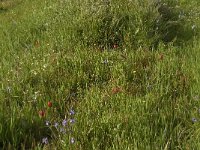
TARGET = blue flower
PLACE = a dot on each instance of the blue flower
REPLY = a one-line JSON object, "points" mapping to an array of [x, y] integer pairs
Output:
{"points": [[64, 122], [63, 130], [56, 125], [45, 140], [71, 112], [72, 120]]}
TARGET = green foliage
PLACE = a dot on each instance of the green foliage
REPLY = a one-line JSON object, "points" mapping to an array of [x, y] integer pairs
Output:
{"points": [[172, 23], [108, 24]]}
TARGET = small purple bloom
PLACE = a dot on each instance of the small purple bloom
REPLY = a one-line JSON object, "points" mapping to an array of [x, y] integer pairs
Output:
{"points": [[194, 120], [63, 130], [71, 112], [72, 120], [56, 125], [45, 140], [72, 140], [64, 122]]}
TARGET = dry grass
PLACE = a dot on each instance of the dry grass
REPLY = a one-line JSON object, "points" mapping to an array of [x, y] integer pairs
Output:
{"points": [[8, 4]]}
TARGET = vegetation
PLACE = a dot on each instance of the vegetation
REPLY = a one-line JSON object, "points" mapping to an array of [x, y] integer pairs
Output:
{"points": [[99, 74]]}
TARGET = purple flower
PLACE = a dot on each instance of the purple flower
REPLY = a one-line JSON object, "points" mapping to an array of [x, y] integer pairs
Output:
{"points": [[72, 140], [56, 125], [64, 122], [45, 140], [63, 130], [72, 120], [194, 120], [71, 112]]}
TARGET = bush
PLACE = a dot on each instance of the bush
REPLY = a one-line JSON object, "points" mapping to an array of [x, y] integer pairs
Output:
{"points": [[171, 24]]}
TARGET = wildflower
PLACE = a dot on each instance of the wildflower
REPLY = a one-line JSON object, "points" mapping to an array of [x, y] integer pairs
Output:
{"points": [[116, 90], [194, 120], [45, 140], [64, 122], [49, 104], [71, 112], [72, 120], [47, 123], [72, 140], [41, 113], [56, 125], [63, 130]]}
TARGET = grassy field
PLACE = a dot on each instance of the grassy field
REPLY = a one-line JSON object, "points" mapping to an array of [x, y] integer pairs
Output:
{"points": [[113, 75]]}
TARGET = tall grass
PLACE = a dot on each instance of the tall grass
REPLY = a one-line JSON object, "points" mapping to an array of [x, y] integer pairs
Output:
{"points": [[99, 74]]}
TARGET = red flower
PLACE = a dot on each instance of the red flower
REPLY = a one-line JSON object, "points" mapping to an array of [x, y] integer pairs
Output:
{"points": [[41, 113], [116, 90], [49, 104]]}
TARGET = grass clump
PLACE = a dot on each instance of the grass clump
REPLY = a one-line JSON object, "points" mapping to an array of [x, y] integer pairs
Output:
{"points": [[108, 24]]}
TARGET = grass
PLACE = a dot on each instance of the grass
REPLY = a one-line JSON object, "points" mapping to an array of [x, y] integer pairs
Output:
{"points": [[97, 75]]}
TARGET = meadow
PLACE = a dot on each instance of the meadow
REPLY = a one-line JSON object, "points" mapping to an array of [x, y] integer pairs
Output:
{"points": [[100, 74]]}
